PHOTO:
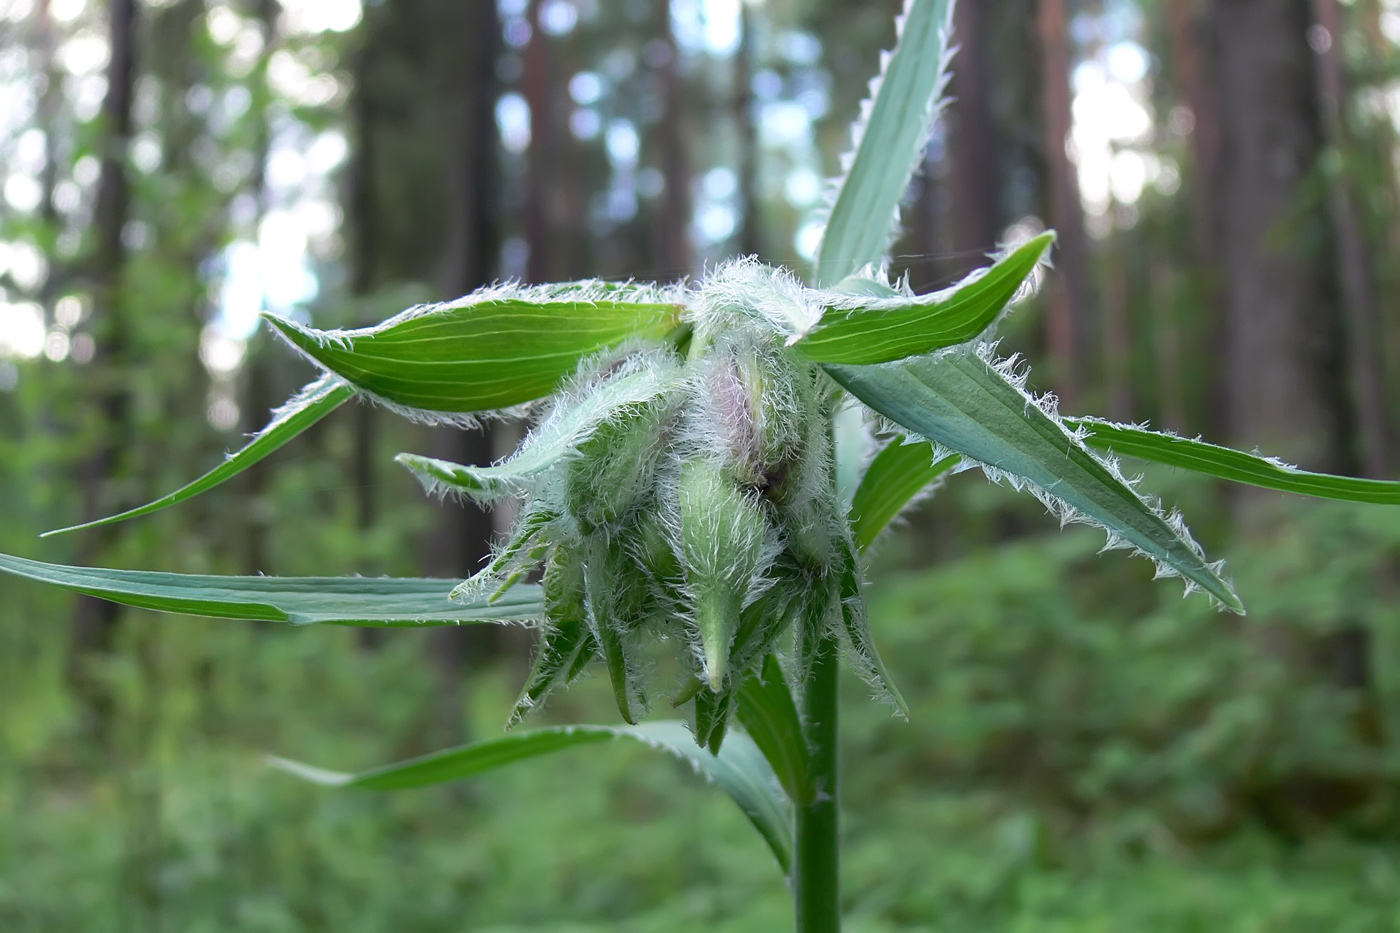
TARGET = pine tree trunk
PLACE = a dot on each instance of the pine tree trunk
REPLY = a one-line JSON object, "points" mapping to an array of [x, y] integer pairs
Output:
{"points": [[676, 253], [1284, 326], [1353, 258], [1068, 292]]}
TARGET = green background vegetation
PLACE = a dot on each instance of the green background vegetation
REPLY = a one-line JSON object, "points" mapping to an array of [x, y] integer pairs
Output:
{"points": [[1087, 751]]}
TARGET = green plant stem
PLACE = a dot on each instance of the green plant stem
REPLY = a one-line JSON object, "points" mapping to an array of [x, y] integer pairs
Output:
{"points": [[816, 870]]}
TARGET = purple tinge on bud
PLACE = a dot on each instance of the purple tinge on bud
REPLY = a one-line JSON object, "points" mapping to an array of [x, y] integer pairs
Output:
{"points": [[734, 405]]}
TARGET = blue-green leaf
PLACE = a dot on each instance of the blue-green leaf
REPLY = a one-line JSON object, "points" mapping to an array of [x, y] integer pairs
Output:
{"points": [[314, 402], [361, 601], [739, 768], [889, 143], [962, 402], [769, 715]]}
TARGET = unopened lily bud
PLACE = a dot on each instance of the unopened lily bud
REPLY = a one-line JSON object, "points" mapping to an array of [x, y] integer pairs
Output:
{"points": [[724, 548]]}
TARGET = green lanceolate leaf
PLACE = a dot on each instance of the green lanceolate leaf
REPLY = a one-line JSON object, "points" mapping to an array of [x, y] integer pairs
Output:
{"points": [[496, 348], [901, 471], [739, 768], [1234, 465], [769, 715], [890, 144], [964, 403], [550, 443], [314, 402], [362, 601], [857, 330]]}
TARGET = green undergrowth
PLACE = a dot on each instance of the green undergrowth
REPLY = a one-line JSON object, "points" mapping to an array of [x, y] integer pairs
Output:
{"points": [[1085, 754]]}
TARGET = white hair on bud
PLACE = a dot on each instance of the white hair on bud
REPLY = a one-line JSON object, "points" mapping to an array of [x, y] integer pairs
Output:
{"points": [[744, 288]]}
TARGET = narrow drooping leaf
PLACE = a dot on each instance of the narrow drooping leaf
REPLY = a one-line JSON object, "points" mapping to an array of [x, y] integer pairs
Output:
{"points": [[312, 404], [496, 348], [565, 643], [769, 715], [739, 768], [866, 330], [889, 142], [1226, 463], [546, 446], [960, 400], [901, 471], [865, 658], [362, 601], [512, 562]]}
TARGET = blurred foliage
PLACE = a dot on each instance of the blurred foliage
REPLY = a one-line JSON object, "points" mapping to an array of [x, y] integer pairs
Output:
{"points": [[1085, 753]]}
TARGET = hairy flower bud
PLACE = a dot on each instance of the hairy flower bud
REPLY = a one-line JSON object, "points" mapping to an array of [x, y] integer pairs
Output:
{"points": [[614, 469], [725, 548]]}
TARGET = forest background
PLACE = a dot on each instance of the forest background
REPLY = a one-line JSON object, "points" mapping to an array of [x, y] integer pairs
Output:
{"points": [[1086, 752]]}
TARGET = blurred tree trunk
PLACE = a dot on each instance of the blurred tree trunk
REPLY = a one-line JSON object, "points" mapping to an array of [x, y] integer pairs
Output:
{"points": [[1116, 334], [1286, 348], [1191, 34], [1284, 334], [1350, 644], [50, 102], [1190, 29], [974, 180], [1163, 282], [462, 539], [94, 620], [675, 252], [363, 266], [750, 239], [258, 397], [922, 244], [1068, 291], [538, 176], [1353, 257]]}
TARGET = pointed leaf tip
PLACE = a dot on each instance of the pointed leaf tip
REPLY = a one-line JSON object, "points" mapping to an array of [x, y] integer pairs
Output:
{"points": [[739, 768], [309, 406], [881, 328], [889, 139], [965, 403], [358, 601], [1229, 464]]}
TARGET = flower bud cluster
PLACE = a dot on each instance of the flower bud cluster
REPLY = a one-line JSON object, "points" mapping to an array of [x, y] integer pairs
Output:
{"points": [[705, 516]]}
